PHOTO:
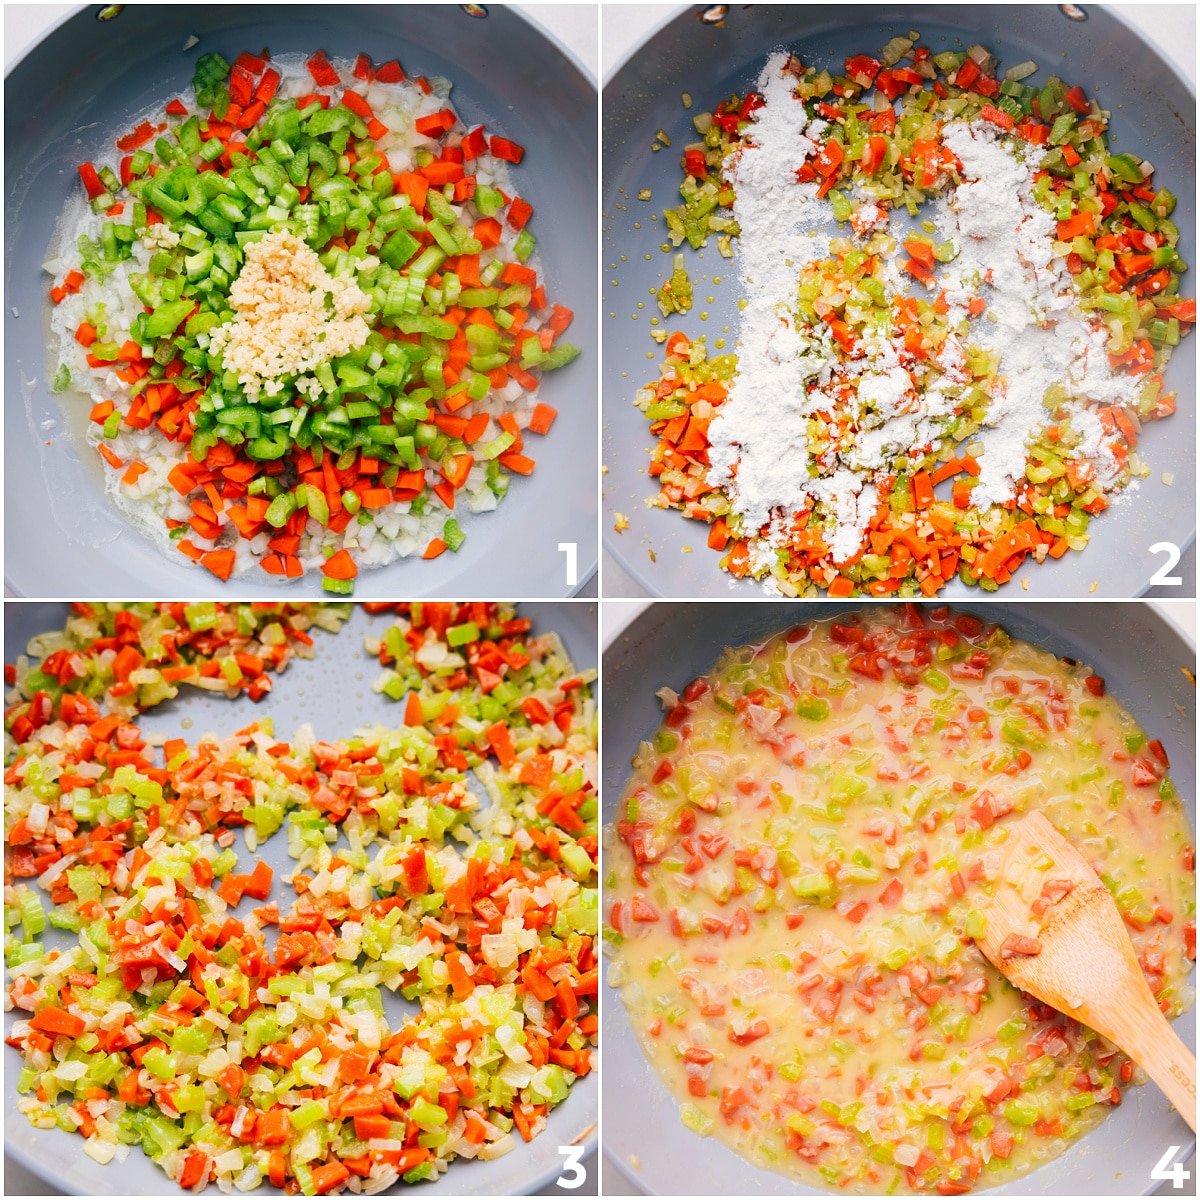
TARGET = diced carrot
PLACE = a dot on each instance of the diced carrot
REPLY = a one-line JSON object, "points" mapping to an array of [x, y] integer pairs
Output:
{"points": [[516, 273], [219, 562], [500, 740], [414, 186], [560, 318], [1081, 223], [718, 534], [58, 1021], [438, 174], [488, 232], [181, 479], [518, 463], [195, 1168], [519, 212], [322, 71], [367, 1126], [997, 117], [922, 490], [456, 469], [340, 566], [259, 883], [353, 1066], [274, 1127], [542, 418], [325, 1178], [135, 471]]}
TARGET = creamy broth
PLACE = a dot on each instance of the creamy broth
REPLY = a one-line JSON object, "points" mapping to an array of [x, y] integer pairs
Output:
{"points": [[790, 898]]}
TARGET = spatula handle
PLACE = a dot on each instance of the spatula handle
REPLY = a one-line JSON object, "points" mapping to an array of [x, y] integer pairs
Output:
{"points": [[1147, 1037]]}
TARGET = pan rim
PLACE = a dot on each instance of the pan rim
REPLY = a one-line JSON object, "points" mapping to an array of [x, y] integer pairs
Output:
{"points": [[684, 10], [521, 13], [632, 611]]}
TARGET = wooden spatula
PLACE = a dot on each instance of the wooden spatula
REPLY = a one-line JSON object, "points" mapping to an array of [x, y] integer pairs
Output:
{"points": [[1076, 955]]}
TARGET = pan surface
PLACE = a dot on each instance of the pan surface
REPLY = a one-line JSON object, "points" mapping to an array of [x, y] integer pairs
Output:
{"points": [[1153, 111], [1141, 657], [333, 693], [58, 518]]}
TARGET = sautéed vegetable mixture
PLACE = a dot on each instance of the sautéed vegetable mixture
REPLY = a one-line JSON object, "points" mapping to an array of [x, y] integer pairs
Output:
{"points": [[791, 932], [251, 1044]]}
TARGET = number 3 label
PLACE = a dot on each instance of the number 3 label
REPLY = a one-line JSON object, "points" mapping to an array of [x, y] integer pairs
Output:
{"points": [[1163, 577], [1175, 1172], [573, 1173]]}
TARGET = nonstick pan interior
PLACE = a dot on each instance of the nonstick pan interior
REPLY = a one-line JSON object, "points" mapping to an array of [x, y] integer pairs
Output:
{"points": [[332, 692], [1153, 111], [79, 87]]}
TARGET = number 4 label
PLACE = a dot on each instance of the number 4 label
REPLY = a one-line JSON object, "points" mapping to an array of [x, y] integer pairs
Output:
{"points": [[1167, 1170], [1162, 577], [574, 1174]]}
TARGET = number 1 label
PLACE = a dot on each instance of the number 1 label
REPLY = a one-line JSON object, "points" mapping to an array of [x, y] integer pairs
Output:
{"points": [[571, 550]]}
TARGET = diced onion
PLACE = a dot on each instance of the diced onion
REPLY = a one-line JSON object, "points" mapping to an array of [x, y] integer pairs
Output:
{"points": [[99, 1150]]}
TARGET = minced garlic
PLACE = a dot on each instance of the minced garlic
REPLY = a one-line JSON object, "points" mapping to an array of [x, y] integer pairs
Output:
{"points": [[160, 237], [292, 315]]}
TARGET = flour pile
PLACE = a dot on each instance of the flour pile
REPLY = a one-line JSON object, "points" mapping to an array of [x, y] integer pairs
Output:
{"points": [[789, 370], [1033, 320], [760, 453], [759, 450]]}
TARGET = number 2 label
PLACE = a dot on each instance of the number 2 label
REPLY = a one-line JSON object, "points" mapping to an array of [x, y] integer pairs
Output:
{"points": [[1162, 577]]}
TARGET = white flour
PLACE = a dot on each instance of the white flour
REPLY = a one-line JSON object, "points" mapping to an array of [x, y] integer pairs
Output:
{"points": [[1032, 318], [868, 217], [789, 372], [890, 419], [760, 453], [761, 429]]}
